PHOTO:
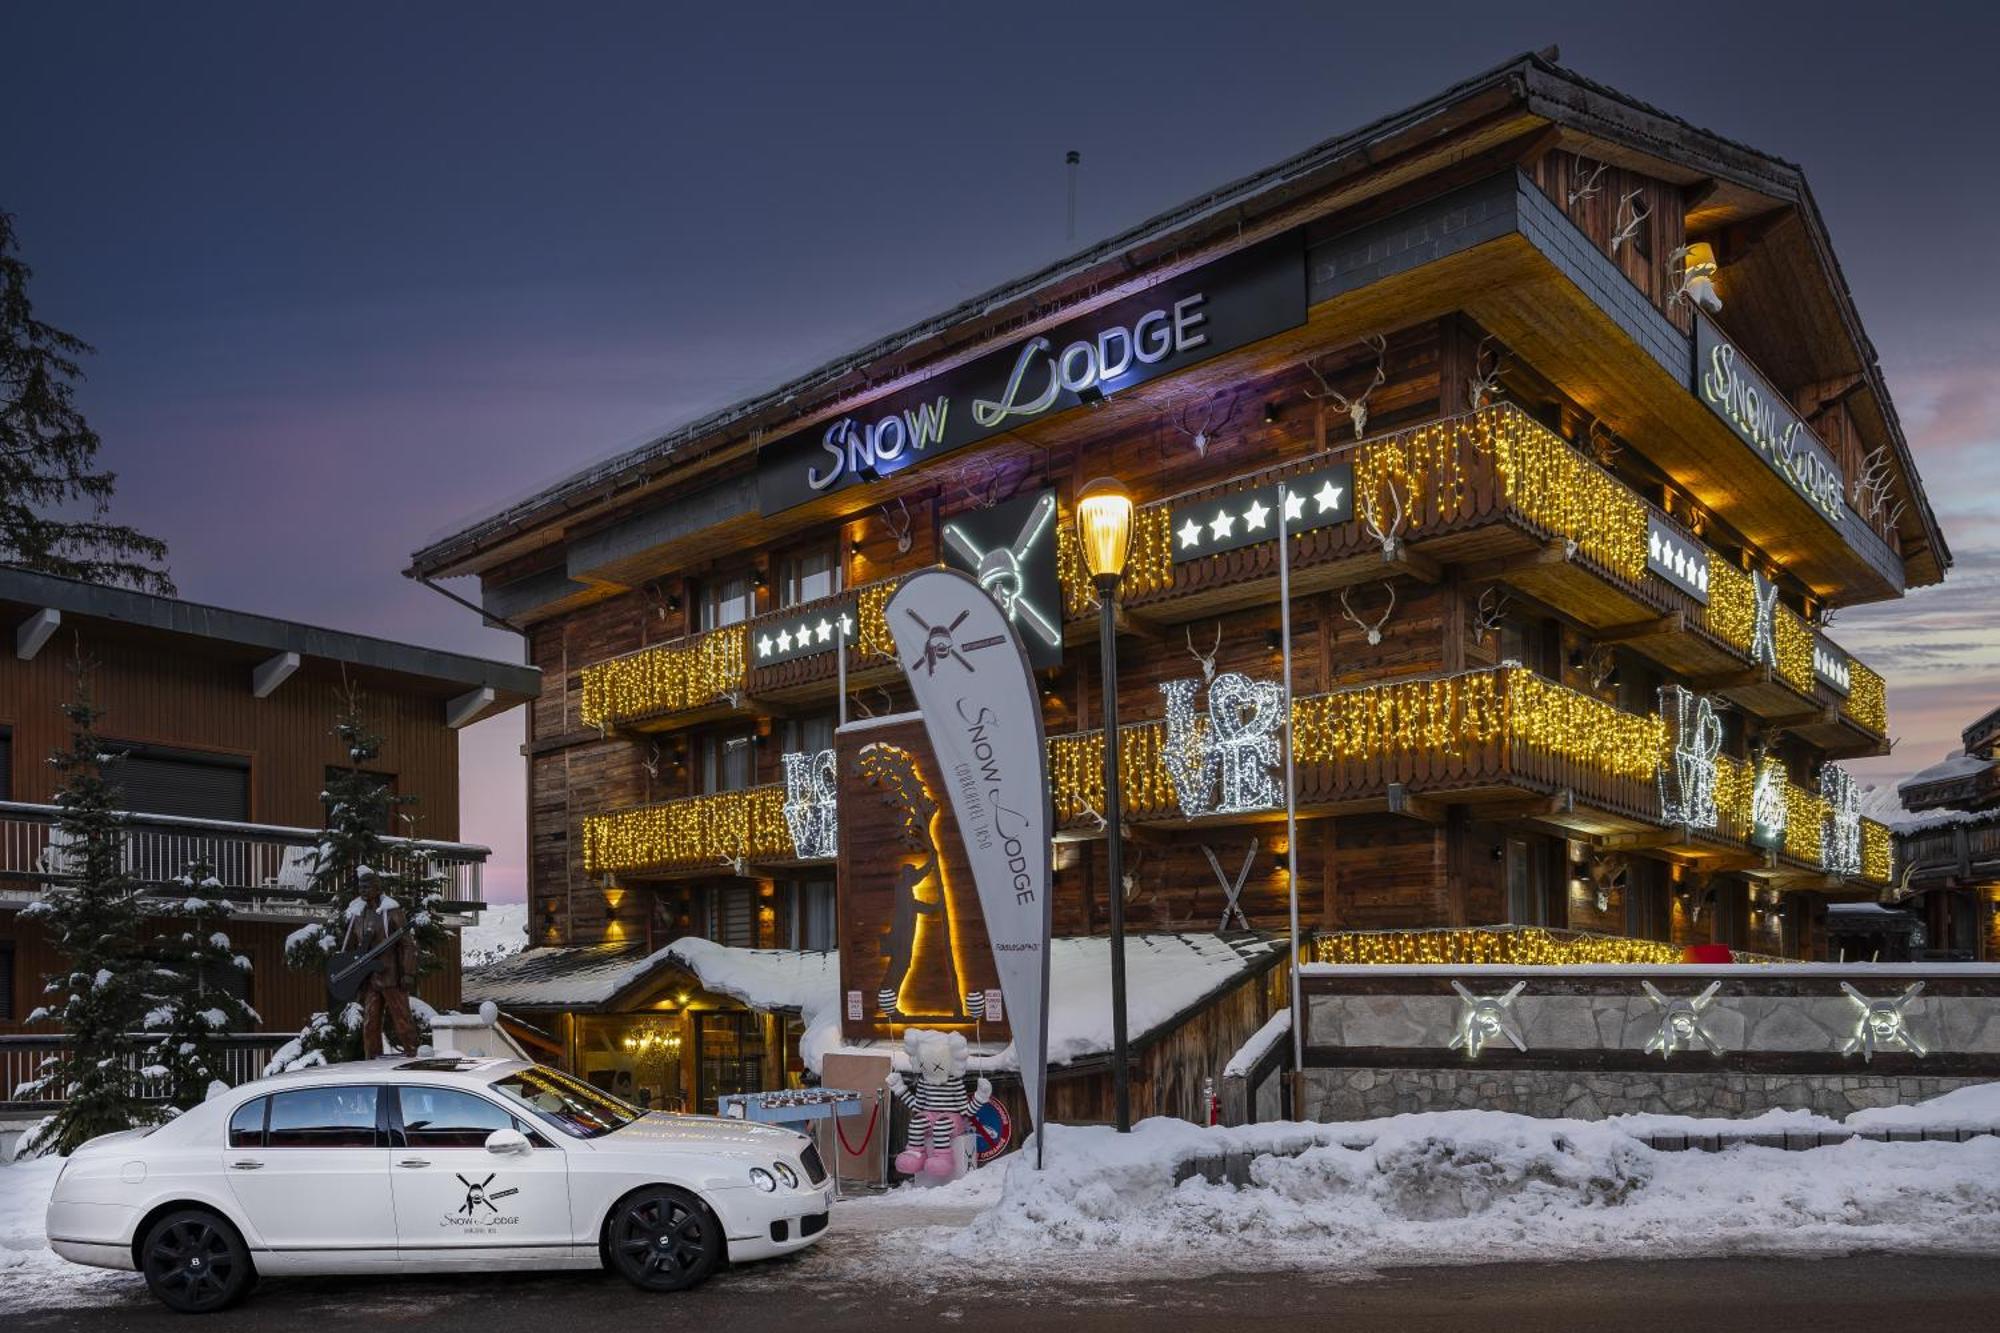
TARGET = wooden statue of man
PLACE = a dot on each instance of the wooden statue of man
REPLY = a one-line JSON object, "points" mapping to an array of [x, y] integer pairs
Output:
{"points": [[388, 988]]}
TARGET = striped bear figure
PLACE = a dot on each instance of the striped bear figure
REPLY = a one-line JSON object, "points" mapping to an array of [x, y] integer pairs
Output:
{"points": [[940, 1110]]}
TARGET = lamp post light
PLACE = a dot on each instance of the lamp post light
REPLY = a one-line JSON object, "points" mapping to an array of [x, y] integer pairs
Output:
{"points": [[1104, 527]]}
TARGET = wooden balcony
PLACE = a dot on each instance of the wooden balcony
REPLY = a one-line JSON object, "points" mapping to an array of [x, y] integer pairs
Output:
{"points": [[262, 868], [1493, 493], [723, 833]]}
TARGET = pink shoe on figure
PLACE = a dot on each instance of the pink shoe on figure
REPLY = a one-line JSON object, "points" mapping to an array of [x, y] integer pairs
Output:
{"points": [[910, 1161], [941, 1163]]}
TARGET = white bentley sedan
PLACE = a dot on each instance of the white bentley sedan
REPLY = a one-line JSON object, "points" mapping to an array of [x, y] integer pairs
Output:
{"points": [[432, 1165]]}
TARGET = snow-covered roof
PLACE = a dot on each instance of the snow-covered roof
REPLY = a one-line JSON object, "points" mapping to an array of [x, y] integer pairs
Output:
{"points": [[1165, 977], [1957, 764]]}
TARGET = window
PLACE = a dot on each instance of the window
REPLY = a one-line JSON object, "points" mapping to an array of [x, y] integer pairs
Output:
{"points": [[729, 1056], [157, 781], [812, 916], [809, 576], [728, 763], [809, 735], [6, 764], [342, 1117], [732, 916], [7, 1010], [727, 600], [246, 1127], [574, 1107], [447, 1118]]}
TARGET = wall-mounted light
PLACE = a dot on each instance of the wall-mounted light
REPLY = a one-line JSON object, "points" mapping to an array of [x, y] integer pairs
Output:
{"points": [[1274, 640], [757, 579], [1090, 396], [1270, 414]]}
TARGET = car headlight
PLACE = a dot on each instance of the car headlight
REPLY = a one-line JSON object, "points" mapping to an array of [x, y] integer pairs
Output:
{"points": [[763, 1179], [786, 1174]]}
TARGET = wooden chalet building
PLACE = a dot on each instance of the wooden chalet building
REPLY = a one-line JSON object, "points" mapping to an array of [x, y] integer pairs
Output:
{"points": [[223, 722], [1585, 439], [1948, 852]]}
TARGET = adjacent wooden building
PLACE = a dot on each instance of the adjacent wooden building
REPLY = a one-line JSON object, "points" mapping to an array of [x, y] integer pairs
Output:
{"points": [[222, 724], [1583, 439]]}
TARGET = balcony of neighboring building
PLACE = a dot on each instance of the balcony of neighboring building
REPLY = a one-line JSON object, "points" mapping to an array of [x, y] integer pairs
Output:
{"points": [[264, 869]]}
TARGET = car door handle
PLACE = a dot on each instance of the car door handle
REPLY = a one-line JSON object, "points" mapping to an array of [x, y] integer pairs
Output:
{"points": [[414, 1161], [246, 1166]]}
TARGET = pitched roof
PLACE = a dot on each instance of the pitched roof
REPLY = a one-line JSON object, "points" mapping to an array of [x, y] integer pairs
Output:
{"points": [[1217, 220]]}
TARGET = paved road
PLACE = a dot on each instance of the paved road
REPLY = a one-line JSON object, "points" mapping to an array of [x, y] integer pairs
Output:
{"points": [[1865, 1292]]}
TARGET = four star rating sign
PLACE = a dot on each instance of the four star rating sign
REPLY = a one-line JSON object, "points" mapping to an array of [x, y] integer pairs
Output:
{"points": [[797, 633], [1244, 518], [1678, 559]]}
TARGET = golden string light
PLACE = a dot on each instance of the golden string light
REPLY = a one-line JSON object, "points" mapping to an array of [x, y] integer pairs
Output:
{"points": [[693, 833], [1148, 569], [1794, 640], [1878, 852], [668, 679], [1564, 492], [871, 626], [1529, 946], [1732, 604], [1867, 702]]}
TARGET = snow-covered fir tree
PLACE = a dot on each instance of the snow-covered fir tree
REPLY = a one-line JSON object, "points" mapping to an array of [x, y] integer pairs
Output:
{"points": [[90, 909], [195, 968], [352, 851]]}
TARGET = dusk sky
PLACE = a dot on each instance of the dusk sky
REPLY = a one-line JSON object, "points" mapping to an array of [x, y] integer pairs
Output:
{"points": [[358, 274]]}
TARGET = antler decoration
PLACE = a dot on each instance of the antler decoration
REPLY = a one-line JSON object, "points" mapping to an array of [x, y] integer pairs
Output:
{"points": [[1374, 631], [1631, 217], [1604, 445], [1492, 610], [1129, 876], [1484, 385], [1355, 407], [1201, 427], [1206, 659], [1599, 666], [1586, 187], [898, 525], [651, 763], [1372, 524], [1872, 489], [1607, 872]]}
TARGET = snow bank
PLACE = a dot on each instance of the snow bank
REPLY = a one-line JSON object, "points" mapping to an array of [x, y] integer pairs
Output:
{"points": [[1276, 1029], [1973, 1107], [30, 1272], [1470, 1186]]}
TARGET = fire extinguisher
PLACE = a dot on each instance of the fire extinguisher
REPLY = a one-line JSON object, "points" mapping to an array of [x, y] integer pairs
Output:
{"points": [[1211, 1102]]}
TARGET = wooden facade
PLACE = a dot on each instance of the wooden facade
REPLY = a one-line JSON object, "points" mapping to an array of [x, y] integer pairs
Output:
{"points": [[1500, 275]]}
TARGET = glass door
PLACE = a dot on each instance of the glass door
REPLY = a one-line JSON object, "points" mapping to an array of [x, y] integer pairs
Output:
{"points": [[729, 1056]]}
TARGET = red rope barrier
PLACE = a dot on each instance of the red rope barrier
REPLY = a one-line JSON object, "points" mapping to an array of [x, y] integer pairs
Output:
{"points": [[874, 1114]]}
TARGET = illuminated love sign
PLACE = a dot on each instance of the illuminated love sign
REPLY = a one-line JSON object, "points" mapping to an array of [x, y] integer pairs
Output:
{"points": [[1176, 323]]}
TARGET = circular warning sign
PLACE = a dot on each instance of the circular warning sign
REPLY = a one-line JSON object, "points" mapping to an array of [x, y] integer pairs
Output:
{"points": [[993, 1129]]}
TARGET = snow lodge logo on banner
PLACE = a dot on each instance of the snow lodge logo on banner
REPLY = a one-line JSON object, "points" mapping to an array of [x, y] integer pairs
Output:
{"points": [[1237, 300], [1011, 550], [1762, 419], [1244, 518], [1677, 559]]}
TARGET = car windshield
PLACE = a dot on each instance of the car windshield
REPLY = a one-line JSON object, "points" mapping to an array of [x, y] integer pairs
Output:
{"points": [[571, 1106]]}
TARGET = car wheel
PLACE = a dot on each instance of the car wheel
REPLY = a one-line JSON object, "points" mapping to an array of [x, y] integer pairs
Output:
{"points": [[195, 1262], [663, 1239]]}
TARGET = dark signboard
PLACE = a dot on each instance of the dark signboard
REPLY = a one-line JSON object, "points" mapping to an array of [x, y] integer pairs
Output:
{"points": [[1244, 518], [1763, 419], [1217, 308], [1678, 559], [818, 628], [1011, 550], [1832, 666]]}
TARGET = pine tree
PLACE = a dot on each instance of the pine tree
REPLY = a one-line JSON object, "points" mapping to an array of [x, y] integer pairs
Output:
{"points": [[48, 454], [352, 850], [192, 1007], [91, 913]]}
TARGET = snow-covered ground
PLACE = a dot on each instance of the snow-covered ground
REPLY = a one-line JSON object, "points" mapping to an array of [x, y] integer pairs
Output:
{"points": [[1445, 1188], [502, 932]]}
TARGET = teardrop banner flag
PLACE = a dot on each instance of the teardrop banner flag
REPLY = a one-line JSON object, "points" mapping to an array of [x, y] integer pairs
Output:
{"points": [[970, 674]]}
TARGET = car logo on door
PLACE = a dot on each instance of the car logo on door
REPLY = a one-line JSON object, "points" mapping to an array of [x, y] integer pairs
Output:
{"points": [[476, 1195]]}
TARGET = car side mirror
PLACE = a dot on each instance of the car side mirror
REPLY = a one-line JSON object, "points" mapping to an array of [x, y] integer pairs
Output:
{"points": [[509, 1142]]}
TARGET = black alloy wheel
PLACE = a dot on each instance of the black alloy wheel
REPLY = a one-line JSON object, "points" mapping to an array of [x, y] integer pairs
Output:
{"points": [[195, 1262], [663, 1239]]}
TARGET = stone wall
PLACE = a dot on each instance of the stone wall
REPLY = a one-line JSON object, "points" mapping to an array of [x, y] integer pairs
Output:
{"points": [[1365, 1093]]}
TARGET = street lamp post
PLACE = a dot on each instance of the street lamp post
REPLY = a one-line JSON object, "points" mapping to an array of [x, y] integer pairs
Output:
{"points": [[1104, 527]]}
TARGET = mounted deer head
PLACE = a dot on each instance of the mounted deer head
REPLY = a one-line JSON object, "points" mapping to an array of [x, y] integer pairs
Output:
{"points": [[1585, 187], [1356, 407], [1129, 876], [1872, 492], [651, 763], [1603, 444], [1374, 631], [1600, 665], [1371, 521], [1491, 611], [1202, 422], [1607, 873], [898, 524], [1484, 385], [1696, 281], [1630, 218], [1092, 813], [982, 488], [1206, 659]]}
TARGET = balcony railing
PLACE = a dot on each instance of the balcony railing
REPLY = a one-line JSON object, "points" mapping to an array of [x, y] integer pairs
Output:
{"points": [[244, 1057], [260, 865], [1439, 489], [720, 832]]}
